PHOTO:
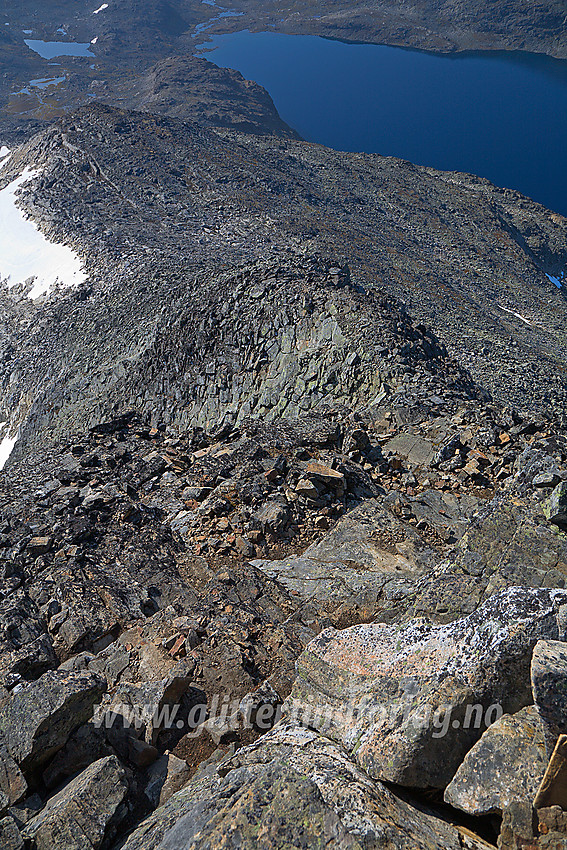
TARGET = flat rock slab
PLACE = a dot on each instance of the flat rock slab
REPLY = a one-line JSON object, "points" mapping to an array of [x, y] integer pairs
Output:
{"points": [[506, 765], [293, 788], [409, 701], [371, 536], [416, 450], [368, 549], [78, 816], [331, 582]]}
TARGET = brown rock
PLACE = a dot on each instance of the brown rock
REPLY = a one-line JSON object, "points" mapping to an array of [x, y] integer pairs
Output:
{"points": [[553, 788]]}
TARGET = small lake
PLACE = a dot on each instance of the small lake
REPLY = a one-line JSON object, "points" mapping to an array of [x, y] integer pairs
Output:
{"points": [[499, 115], [52, 49]]}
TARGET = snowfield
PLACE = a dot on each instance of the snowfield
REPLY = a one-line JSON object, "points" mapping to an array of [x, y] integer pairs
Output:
{"points": [[26, 254], [6, 447]]}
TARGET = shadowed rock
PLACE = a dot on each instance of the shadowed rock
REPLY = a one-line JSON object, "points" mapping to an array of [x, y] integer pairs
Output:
{"points": [[38, 720], [78, 816]]}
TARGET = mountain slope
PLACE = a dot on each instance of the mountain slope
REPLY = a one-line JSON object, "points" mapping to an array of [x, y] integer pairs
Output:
{"points": [[157, 209]]}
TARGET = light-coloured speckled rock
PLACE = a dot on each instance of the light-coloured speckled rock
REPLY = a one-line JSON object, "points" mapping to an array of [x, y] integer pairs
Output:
{"points": [[293, 789], [507, 764], [409, 701]]}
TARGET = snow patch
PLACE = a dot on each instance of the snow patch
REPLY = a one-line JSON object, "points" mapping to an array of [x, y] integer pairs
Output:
{"points": [[25, 252], [6, 448], [518, 315], [94, 40], [4, 155], [100, 8]]}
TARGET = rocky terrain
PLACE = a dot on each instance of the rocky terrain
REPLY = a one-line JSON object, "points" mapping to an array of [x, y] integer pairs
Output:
{"points": [[283, 513], [168, 596], [433, 25], [197, 240]]}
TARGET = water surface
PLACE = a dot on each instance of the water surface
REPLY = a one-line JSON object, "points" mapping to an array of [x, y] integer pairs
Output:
{"points": [[51, 49], [502, 116]]}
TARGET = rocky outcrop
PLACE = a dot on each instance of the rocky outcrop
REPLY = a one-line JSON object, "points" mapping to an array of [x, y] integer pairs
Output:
{"points": [[294, 789], [193, 89], [409, 701]]}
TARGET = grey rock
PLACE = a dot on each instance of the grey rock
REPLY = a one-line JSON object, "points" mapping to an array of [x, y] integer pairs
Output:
{"points": [[148, 703], [507, 764], [549, 686], [38, 720], [166, 776], [84, 812]]}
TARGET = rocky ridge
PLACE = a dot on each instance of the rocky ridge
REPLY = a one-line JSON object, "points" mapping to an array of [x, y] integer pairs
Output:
{"points": [[157, 571], [273, 561], [163, 211]]}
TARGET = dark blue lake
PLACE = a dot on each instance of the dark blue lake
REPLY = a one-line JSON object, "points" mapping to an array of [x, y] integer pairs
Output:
{"points": [[502, 116]]}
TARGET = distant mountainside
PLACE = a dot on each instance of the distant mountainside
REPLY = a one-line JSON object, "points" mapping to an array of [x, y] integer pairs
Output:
{"points": [[436, 25], [159, 210], [126, 40]]}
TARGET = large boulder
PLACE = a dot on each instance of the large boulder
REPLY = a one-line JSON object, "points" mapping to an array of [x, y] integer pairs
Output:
{"points": [[549, 686], [293, 788], [38, 719], [507, 764], [409, 701], [83, 813]]}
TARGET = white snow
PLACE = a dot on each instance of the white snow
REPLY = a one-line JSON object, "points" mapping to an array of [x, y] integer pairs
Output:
{"points": [[518, 315], [26, 253], [100, 8], [6, 447], [94, 40], [4, 155]]}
